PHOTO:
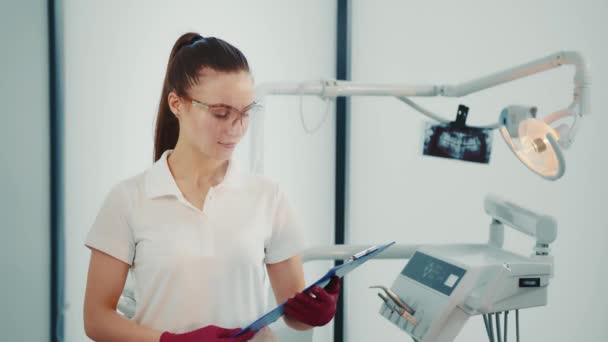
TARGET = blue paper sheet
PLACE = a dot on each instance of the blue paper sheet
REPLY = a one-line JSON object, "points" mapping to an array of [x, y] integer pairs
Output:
{"points": [[340, 271]]}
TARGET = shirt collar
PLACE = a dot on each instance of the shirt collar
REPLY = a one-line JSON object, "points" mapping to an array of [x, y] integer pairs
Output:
{"points": [[160, 181]]}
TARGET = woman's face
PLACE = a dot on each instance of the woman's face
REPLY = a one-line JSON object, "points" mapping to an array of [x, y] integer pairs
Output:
{"points": [[215, 131]]}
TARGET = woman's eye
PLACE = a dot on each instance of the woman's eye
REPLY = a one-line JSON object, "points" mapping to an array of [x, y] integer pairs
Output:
{"points": [[220, 112]]}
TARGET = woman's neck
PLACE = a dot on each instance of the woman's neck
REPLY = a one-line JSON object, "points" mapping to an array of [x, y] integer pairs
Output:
{"points": [[195, 168]]}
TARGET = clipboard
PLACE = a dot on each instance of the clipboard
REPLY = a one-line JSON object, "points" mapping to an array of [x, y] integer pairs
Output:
{"points": [[341, 270]]}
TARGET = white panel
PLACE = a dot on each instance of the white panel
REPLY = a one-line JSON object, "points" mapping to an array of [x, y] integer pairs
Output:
{"points": [[115, 58], [396, 194], [24, 172]]}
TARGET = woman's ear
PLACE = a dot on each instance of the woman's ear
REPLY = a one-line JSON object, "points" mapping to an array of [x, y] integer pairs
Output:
{"points": [[175, 104]]}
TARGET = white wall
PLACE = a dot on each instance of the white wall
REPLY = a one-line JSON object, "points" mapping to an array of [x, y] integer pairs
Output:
{"points": [[115, 58], [396, 194], [24, 172]]}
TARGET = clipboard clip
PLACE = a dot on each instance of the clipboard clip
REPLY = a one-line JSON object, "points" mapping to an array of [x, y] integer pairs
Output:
{"points": [[362, 253]]}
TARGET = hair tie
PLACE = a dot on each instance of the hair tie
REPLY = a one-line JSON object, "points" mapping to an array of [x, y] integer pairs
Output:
{"points": [[192, 41], [195, 40]]}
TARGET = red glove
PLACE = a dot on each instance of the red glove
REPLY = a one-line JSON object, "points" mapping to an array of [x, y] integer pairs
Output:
{"points": [[210, 333], [316, 311]]}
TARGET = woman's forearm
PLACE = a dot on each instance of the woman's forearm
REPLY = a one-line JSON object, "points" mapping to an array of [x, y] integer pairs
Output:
{"points": [[108, 325]]}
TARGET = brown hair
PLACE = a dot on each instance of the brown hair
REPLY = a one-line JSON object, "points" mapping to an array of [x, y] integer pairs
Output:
{"points": [[190, 54]]}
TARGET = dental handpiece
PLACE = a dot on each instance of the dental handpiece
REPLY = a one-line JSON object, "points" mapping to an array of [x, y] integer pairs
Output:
{"points": [[395, 298], [395, 307]]}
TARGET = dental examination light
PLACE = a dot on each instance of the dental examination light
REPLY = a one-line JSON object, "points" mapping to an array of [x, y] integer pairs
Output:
{"points": [[536, 142]]}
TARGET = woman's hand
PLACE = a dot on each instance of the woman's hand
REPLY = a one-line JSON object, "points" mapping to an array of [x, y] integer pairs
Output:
{"points": [[318, 310], [210, 333]]}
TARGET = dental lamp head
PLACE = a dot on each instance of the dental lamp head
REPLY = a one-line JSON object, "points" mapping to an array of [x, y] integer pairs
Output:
{"points": [[533, 141], [539, 143]]}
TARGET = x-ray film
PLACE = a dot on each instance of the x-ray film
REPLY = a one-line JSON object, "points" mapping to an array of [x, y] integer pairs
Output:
{"points": [[454, 142]]}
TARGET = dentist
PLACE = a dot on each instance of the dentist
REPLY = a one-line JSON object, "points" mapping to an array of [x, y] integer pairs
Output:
{"points": [[201, 236]]}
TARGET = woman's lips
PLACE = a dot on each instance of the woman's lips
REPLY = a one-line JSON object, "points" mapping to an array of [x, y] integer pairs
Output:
{"points": [[228, 145]]}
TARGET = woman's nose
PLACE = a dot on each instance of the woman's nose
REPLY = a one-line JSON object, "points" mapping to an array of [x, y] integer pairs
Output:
{"points": [[237, 126]]}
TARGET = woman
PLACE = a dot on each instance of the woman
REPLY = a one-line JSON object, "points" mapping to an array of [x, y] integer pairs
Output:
{"points": [[199, 233]]}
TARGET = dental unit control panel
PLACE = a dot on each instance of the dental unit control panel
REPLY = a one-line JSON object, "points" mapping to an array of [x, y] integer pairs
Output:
{"points": [[442, 286]]}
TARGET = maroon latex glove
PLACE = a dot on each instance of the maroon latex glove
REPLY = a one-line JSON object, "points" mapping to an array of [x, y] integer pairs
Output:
{"points": [[315, 311], [210, 333]]}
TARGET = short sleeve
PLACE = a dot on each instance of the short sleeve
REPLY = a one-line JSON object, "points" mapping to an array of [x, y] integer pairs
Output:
{"points": [[111, 232], [286, 239]]}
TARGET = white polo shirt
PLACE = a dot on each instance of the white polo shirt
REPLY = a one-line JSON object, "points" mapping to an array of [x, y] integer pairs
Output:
{"points": [[192, 268]]}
